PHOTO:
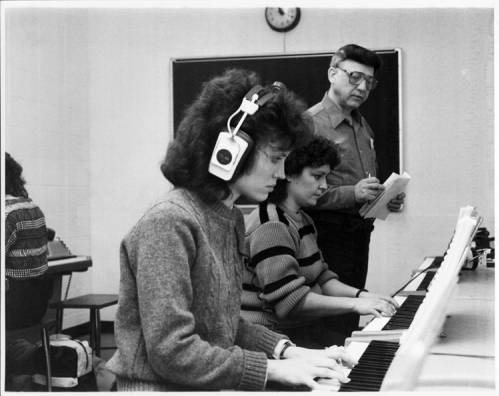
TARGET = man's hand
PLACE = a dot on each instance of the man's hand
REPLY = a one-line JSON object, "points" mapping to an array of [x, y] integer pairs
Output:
{"points": [[397, 203], [367, 189]]}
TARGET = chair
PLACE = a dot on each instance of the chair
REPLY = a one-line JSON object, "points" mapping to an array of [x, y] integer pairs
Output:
{"points": [[93, 302]]}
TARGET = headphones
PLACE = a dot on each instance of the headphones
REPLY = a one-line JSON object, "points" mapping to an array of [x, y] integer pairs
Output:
{"points": [[234, 145]]}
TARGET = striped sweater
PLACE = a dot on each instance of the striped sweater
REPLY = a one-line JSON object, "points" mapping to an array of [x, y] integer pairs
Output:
{"points": [[284, 265], [25, 239]]}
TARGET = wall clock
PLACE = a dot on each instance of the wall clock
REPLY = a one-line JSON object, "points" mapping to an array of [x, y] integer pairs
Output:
{"points": [[282, 19]]}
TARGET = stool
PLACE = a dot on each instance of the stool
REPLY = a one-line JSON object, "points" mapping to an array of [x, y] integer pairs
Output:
{"points": [[93, 302]]}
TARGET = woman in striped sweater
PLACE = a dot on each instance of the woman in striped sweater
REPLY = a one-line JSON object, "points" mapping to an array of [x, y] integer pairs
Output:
{"points": [[27, 290], [287, 285]]}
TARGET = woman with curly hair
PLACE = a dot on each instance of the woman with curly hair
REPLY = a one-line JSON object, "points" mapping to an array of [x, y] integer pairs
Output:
{"points": [[178, 324], [288, 286]]}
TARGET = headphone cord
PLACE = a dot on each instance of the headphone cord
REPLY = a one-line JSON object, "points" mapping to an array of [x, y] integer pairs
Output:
{"points": [[418, 274], [411, 279]]}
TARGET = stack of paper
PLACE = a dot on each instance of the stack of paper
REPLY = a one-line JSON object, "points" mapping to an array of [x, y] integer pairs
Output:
{"points": [[377, 208]]}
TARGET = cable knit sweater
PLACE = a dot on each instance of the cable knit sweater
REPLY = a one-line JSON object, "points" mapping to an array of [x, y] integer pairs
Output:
{"points": [[178, 324]]}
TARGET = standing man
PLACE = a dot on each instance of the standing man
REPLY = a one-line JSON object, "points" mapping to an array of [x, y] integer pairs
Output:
{"points": [[343, 235]]}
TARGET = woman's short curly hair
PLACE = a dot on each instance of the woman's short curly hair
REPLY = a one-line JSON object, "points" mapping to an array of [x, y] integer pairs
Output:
{"points": [[279, 121], [14, 181], [317, 152]]}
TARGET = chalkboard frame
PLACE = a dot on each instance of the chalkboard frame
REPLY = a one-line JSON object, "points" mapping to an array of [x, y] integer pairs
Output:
{"points": [[306, 75]]}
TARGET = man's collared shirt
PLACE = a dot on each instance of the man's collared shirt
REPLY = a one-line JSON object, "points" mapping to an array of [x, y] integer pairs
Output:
{"points": [[355, 140]]}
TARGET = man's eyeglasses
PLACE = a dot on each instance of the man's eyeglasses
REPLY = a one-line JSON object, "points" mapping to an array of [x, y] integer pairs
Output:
{"points": [[356, 77]]}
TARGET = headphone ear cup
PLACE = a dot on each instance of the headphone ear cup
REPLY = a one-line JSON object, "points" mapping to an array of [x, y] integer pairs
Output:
{"points": [[229, 154], [233, 147], [242, 159]]}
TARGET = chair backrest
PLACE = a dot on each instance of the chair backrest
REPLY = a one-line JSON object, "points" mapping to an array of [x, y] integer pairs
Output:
{"points": [[26, 301]]}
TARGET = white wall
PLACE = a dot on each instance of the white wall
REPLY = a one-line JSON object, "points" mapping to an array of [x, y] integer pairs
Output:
{"points": [[47, 120], [119, 106]]}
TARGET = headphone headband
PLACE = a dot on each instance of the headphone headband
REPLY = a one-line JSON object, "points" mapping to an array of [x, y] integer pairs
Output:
{"points": [[264, 97]]}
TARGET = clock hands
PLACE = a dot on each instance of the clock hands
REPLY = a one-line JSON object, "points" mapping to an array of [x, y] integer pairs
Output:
{"points": [[282, 19]]}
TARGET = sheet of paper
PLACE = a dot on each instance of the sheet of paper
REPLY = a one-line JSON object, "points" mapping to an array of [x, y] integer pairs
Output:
{"points": [[377, 208]]}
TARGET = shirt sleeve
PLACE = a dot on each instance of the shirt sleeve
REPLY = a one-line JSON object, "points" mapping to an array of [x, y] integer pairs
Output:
{"points": [[273, 259], [164, 253], [340, 193], [325, 276], [10, 235], [337, 197]]}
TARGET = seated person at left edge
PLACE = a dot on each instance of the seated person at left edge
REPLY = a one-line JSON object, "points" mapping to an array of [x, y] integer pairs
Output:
{"points": [[27, 287]]}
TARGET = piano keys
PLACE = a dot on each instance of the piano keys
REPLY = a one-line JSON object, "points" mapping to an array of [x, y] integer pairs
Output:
{"points": [[374, 358], [403, 343], [423, 286], [409, 299], [436, 262], [461, 358], [377, 324], [402, 319], [369, 373], [421, 283]]}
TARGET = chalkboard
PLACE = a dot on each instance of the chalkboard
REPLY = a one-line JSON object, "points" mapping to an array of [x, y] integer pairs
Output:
{"points": [[306, 75]]}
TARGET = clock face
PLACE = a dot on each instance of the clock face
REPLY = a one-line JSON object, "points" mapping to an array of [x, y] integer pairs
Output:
{"points": [[282, 19]]}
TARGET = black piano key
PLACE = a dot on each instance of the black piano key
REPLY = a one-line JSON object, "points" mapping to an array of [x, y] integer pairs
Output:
{"points": [[369, 373], [402, 319], [361, 386], [426, 281], [437, 261]]}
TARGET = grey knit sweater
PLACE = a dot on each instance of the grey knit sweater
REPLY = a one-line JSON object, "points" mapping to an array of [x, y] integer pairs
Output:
{"points": [[178, 324]]}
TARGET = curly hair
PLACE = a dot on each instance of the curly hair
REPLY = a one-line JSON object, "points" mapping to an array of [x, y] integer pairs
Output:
{"points": [[187, 158], [14, 181], [317, 152], [358, 54]]}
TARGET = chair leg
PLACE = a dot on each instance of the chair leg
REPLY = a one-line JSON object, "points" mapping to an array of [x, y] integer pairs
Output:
{"points": [[98, 333], [58, 320], [95, 331], [46, 353]]}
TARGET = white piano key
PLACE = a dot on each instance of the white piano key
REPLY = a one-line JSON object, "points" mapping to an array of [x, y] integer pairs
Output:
{"points": [[426, 263], [413, 286]]}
